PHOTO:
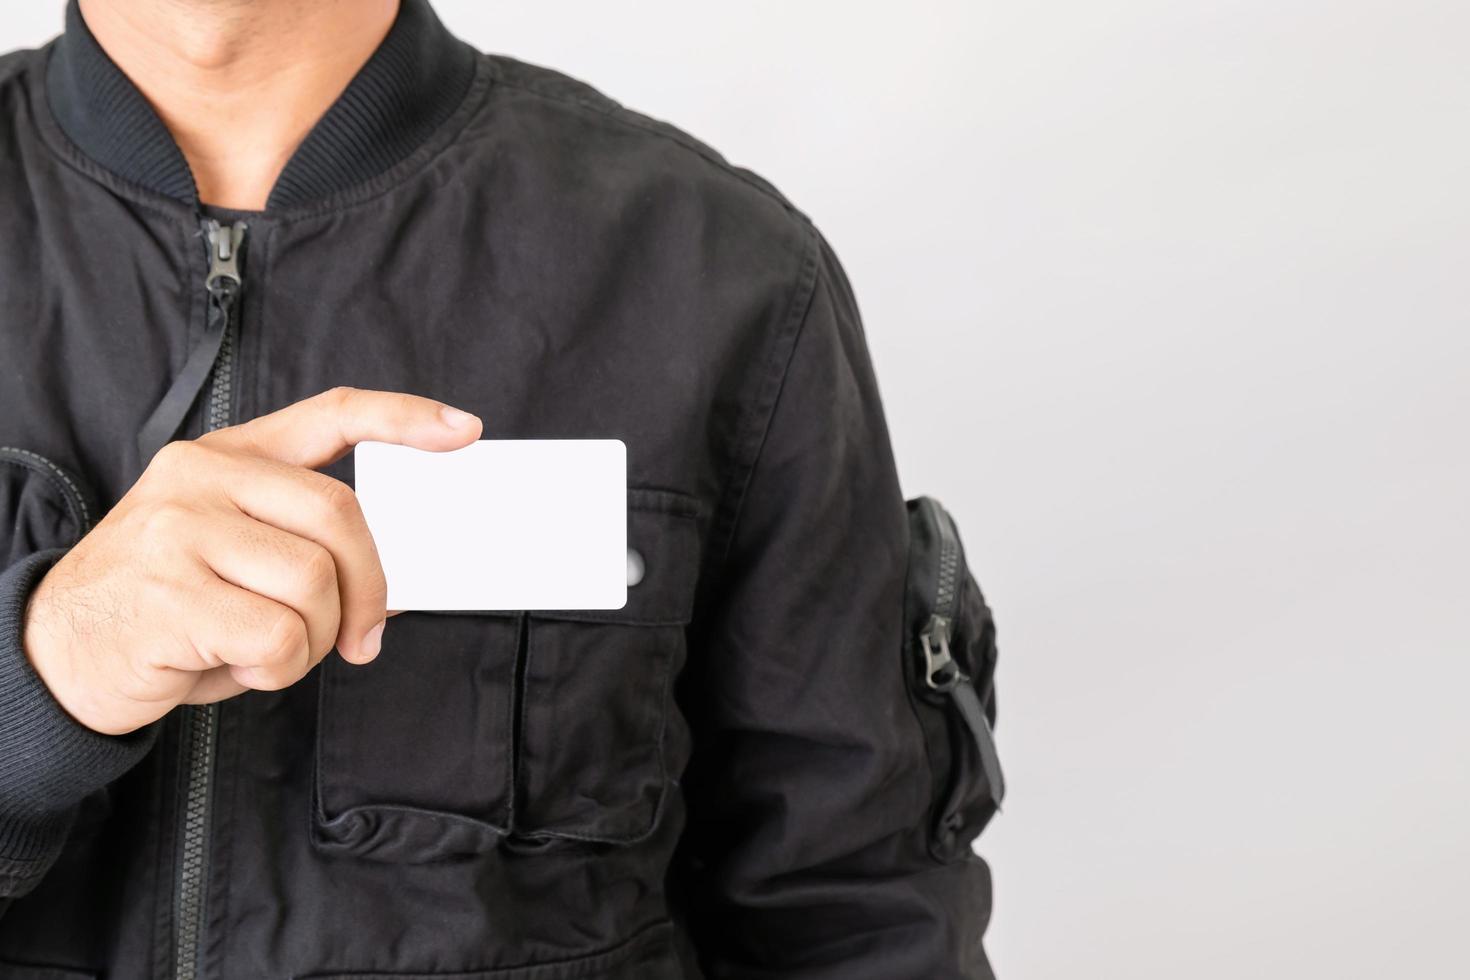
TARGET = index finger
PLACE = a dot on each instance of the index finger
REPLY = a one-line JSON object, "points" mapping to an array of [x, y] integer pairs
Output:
{"points": [[321, 429]]}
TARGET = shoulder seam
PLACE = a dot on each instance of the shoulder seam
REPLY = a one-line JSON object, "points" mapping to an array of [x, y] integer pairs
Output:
{"points": [[611, 109], [755, 426], [13, 64]]}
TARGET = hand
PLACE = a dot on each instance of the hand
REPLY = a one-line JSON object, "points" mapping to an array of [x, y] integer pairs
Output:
{"points": [[230, 565]]}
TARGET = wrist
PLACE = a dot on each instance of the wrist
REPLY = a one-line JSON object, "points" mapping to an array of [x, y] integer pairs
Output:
{"points": [[44, 643], [49, 758]]}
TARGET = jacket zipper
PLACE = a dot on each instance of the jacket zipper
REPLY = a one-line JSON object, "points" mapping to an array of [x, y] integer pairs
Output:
{"points": [[76, 501], [200, 721], [942, 673]]}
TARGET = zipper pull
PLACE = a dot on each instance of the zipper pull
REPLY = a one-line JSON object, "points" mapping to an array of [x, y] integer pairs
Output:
{"points": [[944, 675], [941, 673], [973, 713], [224, 257], [222, 282]]}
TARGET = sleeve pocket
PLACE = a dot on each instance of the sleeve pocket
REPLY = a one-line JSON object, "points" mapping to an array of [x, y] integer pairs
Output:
{"points": [[42, 505], [950, 655]]}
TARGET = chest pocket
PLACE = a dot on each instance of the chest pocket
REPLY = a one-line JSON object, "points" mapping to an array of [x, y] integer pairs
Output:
{"points": [[473, 731], [42, 506]]}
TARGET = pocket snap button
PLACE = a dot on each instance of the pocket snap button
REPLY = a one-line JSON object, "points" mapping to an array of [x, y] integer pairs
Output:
{"points": [[635, 567]]}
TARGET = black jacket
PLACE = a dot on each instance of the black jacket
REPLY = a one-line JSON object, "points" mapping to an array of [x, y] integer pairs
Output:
{"points": [[742, 773]]}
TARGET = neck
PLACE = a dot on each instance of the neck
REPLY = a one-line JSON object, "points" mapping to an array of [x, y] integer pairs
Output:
{"points": [[239, 83]]}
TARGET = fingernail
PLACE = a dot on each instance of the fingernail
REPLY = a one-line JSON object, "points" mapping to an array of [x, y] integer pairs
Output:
{"points": [[456, 419], [371, 643]]}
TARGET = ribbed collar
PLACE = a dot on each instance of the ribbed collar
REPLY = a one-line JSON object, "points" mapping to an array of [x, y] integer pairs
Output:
{"points": [[410, 84]]}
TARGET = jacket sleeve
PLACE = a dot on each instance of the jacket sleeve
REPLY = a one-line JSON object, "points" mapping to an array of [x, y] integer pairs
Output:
{"points": [[807, 852], [48, 761]]}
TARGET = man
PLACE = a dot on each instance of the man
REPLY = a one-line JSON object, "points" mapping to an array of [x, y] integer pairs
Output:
{"points": [[233, 230]]}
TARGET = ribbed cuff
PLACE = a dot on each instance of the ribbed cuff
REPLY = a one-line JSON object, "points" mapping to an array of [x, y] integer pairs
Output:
{"points": [[48, 760]]}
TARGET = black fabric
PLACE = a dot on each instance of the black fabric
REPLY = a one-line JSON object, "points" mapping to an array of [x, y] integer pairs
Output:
{"points": [[406, 90], [725, 779]]}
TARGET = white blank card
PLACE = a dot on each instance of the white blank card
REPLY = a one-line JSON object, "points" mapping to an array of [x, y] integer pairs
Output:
{"points": [[500, 524]]}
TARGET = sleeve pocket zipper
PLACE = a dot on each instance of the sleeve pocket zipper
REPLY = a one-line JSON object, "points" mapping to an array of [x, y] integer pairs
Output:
{"points": [[944, 662]]}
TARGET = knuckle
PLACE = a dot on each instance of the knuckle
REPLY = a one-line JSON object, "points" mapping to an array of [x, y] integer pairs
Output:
{"points": [[339, 396], [153, 592], [156, 594], [165, 521], [138, 679], [173, 456], [266, 678], [285, 642], [337, 500], [212, 447], [187, 457], [318, 571], [211, 438]]}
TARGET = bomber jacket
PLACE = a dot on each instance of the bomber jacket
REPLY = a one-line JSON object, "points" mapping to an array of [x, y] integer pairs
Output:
{"points": [[770, 763]]}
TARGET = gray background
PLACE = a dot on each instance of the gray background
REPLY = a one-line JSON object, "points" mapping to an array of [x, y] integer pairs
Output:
{"points": [[1169, 304]]}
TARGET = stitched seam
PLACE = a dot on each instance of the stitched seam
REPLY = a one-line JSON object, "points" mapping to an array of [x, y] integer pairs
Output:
{"points": [[443, 816], [320, 760], [757, 418], [23, 870], [515, 720], [60, 479], [658, 500]]}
